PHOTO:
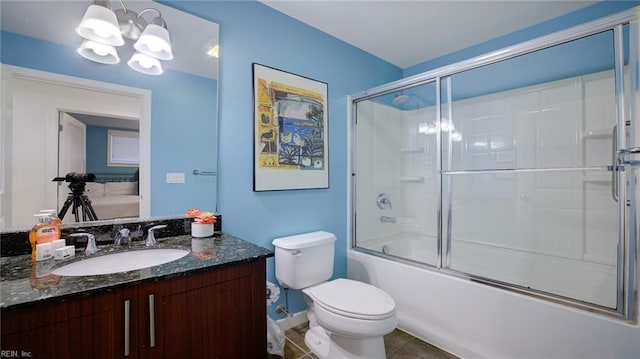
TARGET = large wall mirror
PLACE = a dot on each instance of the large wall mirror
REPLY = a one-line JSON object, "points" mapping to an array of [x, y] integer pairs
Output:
{"points": [[149, 140]]}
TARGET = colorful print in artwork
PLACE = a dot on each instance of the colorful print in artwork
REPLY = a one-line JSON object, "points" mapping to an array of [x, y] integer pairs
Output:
{"points": [[290, 123]]}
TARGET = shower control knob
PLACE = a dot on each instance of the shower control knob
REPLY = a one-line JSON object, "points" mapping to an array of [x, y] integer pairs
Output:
{"points": [[383, 201]]}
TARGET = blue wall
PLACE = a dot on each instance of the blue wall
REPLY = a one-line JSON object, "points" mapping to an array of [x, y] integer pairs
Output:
{"points": [[96, 153], [252, 32], [181, 108]]}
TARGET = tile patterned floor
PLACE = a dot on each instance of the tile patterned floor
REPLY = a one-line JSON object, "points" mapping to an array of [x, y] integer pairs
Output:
{"points": [[398, 344]]}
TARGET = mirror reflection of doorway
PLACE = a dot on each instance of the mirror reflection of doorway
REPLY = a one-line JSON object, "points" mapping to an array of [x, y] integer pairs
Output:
{"points": [[31, 143], [72, 152], [72, 144], [86, 145]]}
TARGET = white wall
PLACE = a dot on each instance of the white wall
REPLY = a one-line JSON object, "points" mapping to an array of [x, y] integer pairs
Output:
{"points": [[393, 159], [33, 142], [378, 142]]}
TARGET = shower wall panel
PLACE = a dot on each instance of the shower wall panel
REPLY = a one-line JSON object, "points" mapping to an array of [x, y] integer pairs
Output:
{"points": [[524, 208], [377, 146], [396, 159]]}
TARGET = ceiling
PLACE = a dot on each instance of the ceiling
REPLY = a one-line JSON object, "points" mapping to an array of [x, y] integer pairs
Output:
{"points": [[97, 120], [409, 32]]}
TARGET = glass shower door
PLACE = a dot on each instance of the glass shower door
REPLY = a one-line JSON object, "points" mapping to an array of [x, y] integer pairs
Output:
{"points": [[529, 190], [518, 168], [395, 187]]}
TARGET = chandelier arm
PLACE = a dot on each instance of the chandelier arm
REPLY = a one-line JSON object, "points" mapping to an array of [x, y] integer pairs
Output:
{"points": [[159, 20], [124, 7], [103, 3]]}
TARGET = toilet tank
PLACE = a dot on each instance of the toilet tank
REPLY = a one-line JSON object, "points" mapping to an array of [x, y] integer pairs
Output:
{"points": [[305, 259]]}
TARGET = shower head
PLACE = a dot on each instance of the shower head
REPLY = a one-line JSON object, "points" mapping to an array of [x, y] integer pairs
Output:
{"points": [[400, 99]]}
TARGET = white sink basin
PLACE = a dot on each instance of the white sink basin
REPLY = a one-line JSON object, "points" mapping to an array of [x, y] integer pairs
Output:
{"points": [[120, 262]]}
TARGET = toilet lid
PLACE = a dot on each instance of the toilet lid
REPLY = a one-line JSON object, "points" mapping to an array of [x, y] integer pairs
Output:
{"points": [[352, 299]]}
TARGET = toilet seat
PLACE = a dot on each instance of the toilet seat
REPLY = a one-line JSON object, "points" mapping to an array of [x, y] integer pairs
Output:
{"points": [[352, 299]]}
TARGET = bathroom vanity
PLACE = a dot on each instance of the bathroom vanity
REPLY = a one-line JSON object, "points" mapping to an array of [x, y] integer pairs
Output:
{"points": [[208, 304]]}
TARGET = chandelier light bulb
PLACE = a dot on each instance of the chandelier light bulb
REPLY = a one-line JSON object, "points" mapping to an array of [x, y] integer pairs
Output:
{"points": [[100, 49], [154, 46], [97, 52], [102, 29], [101, 25], [145, 64], [155, 42]]}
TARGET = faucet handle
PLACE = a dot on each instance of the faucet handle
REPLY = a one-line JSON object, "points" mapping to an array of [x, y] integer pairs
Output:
{"points": [[91, 242], [138, 232], [151, 238], [122, 237], [383, 201]]}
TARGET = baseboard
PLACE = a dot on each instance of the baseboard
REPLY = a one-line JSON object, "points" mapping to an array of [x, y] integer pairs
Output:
{"points": [[293, 321]]}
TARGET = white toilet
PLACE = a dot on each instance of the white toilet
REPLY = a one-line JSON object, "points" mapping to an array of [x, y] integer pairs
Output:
{"points": [[347, 318]]}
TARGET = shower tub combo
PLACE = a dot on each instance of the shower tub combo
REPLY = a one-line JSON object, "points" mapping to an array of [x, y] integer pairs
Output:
{"points": [[500, 212]]}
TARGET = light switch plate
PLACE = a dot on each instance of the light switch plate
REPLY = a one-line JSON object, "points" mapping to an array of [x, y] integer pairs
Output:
{"points": [[175, 177]]}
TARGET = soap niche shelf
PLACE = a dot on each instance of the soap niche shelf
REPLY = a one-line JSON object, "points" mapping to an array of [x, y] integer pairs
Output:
{"points": [[417, 149], [412, 179], [597, 134]]}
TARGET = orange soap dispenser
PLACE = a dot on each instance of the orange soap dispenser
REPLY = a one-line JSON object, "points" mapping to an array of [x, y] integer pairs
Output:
{"points": [[54, 216], [42, 232]]}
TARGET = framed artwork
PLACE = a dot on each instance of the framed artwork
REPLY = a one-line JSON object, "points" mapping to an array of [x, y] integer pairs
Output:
{"points": [[290, 148]]}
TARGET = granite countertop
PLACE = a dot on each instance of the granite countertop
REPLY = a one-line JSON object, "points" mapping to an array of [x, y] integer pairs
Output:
{"points": [[24, 282]]}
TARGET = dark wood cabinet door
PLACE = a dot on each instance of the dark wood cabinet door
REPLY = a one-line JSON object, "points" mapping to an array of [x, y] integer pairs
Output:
{"points": [[215, 314], [219, 313], [89, 327]]}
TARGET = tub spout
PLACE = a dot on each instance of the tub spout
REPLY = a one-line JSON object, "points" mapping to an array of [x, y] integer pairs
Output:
{"points": [[387, 219]]}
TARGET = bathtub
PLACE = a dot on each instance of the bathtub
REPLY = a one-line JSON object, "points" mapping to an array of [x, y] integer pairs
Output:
{"points": [[410, 246], [474, 320]]}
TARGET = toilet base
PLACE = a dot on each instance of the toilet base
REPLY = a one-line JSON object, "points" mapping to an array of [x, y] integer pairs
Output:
{"points": [[333, 346]]}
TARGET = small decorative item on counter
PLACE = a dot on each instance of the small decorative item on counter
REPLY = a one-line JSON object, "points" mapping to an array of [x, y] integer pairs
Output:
{"points": [[44, 251], [64, 252], [58, 243], [203, 222]]}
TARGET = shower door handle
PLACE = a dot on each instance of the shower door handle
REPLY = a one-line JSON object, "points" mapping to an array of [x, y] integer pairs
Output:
{"points": [[614, 165], [618, 162]]}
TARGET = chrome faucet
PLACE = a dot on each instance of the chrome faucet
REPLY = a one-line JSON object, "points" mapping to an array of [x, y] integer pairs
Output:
{"points": [[122, 238], [387, 219], [137, 233], [91, 242], [383, 201], [151, 238]]}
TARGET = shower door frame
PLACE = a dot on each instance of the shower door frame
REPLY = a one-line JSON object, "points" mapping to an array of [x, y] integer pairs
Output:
{"points": [[627, 241]]}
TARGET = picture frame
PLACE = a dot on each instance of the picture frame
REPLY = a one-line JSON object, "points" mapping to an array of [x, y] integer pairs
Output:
{"points": [[291, 148]]}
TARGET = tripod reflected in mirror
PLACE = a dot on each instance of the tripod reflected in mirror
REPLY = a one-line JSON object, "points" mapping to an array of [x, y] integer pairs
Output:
{"points": [[77, 200]]}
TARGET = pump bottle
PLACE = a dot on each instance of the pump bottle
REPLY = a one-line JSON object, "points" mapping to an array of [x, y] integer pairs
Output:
{"points": [[42, 232]]}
